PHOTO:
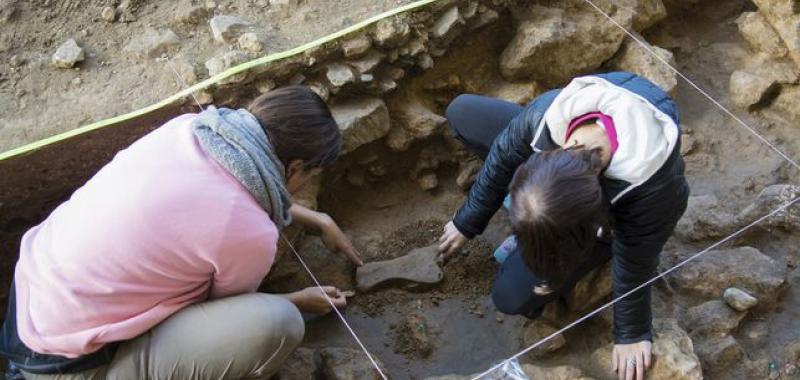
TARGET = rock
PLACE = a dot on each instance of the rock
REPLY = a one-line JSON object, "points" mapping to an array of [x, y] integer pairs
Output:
{"points": [[425, 62], [720, 353], [562, 372], [467, 173], [348, 364], [68, 54], [218, 65], [673, 354], [8, 10], [362, 121], [768, 200], [445, 23], [639, 60], [537, 330], [744, 267], [591, 290], [780, 70], [704, 219], [153, 43], [392, 32], [302, 365], [687, 144], [647, 13], [784, 16], [368, 62], [756, 30], [356, 47], [417, 267], [428, 181], [339, 74], [788, 102], [251, 43], [553, 47], [16, 61], [518, 92], [748, 90], [191, 14], [739, 299], [418, 330], [410, 114], [227, 28], [713, 318], [320, 89], [108, 14]]}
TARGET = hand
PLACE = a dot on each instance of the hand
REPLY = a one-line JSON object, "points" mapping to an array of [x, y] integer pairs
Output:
{"points": [[312, 300], [630, 361], [336, 241], [451, 241]]}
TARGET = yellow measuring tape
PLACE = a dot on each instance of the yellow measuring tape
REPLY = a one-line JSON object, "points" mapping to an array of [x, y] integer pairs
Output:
{"points": [[211, 81]]}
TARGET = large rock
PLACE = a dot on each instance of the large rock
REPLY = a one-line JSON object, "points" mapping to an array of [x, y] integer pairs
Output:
{"points": [[226, 28], [756, 30], [719, 353], [784, 16], [552, 45], [744, 267], [673, 354], [788, 103], [704, 219], [446, 22], [361, 120], [713, 318], [537, 330], [348, 364], [413, 120], [67, 55], [770, 199], [392, 32], [417, 267], [639, 60], [356, 46], [302, 365], [153, 43], [738, 299], [748, 89]]}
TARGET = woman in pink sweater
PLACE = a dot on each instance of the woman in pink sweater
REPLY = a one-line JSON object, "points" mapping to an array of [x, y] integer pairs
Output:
{"points": [[150, 269]]}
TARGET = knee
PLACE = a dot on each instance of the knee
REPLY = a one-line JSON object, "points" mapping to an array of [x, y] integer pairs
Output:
{"points": [[504, 302], [456, 109], [277, 318]]}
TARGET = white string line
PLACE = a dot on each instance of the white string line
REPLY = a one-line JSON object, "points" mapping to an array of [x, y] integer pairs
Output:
{"points": [[696, 87], [614, 301], [183, 83], [341, 317]]}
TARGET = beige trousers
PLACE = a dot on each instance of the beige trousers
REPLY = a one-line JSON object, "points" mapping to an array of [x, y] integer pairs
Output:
{"points": [[242, 337]]}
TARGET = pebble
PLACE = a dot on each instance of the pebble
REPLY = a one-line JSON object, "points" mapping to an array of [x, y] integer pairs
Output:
{"points": [[108, 14], [739, 299], [16, 61], [77, 81], [226, 28], [250, 42]]}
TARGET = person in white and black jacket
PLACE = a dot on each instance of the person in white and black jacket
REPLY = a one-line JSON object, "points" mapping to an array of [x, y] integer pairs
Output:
{"points": [[594, 172]]}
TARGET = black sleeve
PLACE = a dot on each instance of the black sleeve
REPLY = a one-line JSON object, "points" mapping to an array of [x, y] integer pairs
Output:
{"points": [[642, 225], [510, 149]]}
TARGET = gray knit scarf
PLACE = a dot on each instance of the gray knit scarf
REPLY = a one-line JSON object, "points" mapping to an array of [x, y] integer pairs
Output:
{"points": [[235, 139]]}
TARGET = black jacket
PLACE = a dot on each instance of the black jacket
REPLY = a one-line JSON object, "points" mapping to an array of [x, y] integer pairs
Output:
{"points": [[642, 217]]}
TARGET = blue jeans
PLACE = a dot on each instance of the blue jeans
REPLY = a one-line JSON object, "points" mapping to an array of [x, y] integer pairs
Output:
{"points": [[477, 121]]}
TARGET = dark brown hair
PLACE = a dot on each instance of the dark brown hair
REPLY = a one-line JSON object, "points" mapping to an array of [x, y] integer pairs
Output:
{"points": [[557, 205], [299, 125]]}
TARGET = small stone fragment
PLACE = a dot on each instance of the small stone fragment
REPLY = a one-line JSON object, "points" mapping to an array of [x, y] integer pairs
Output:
{"points": [[227, 28], [153, 43], [68, 54], [251, 43], [368, 62], [417, 267], [428, 181], [739, 299], [218, 65], [108, 14], [392, 32], [425, 62], [446, 22]]}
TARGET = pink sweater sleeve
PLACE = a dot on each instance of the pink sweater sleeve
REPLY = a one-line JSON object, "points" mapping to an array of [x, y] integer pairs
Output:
{"points": [[245, 254]]}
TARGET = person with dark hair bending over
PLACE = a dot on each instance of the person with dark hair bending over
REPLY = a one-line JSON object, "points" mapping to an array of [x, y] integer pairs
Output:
{"points": [[150, 269], [593, 172]]}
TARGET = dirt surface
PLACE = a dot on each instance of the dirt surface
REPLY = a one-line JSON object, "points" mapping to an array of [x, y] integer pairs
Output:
{"points": [[42, 100]]}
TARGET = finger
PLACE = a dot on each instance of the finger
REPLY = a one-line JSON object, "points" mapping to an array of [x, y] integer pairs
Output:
{"points": [[614, 363], [647, 359], [620, 368], [353, 255], [443, 237], [640, 366], [339, 302], [444, 247], [330, 291], [630, 370]]}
